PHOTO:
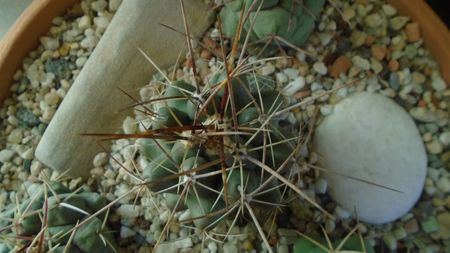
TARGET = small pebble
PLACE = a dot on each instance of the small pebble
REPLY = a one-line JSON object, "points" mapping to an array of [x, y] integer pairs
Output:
{"points": [[390, 241], [52, 98], [358, 38], [393, 65], [321, 186], [294, 86], [438, 83], [444, 138], [114, 4], [412, 31], [100, 159], [398, 22], [99, 5], [373, 20], [378, 52], [443, 184], [411, 226], [389, 10], [101, 22], [281, 77], [50, 43], [84, 22], [126, 232], [320, 68], [434, 147], [430, 225], [291, 73], [128, 211], [267, 70], [16, 136], [6, 155], [399, 233], [360, 62], [341, 65]]}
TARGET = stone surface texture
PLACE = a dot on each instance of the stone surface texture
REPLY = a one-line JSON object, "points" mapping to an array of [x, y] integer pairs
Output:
{"points": [[371, 138]]}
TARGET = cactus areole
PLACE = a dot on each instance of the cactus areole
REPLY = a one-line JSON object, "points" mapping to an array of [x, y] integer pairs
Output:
{"points": [[212, 151], [292, 20]]}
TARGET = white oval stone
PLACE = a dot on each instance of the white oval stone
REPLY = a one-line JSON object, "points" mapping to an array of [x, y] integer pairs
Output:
{"points": [[369, 137]]}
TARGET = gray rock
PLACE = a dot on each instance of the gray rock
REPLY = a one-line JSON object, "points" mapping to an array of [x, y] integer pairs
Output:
{"points": [[371, 138]]}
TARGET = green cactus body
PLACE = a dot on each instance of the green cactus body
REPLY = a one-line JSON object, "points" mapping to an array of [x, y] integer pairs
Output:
{"points": [[289, 19], [64, 211], [193, 171]]}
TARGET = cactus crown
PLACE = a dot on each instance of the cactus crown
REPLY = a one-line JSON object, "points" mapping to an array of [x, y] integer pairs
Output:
{"points": [[211, 149], [292, 20]]}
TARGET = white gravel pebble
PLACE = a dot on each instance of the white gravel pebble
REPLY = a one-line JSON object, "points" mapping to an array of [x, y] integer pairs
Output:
{"points": [[294, 86], [28, 154], [444, 138], [321, 186], [16, 136], [99, 5], [389, 10], [100, 159], [438, 83], [291, 73], [320, 68], [114, 4], [341, 212], [52, 98], [6, 155], [36, 168], [50, 43], [443, 184], [362, 63], [126, 232], [434, 147], [268, 69], [101, 22], [84, 22], [128, 211], [281, 77], [81, 61]]}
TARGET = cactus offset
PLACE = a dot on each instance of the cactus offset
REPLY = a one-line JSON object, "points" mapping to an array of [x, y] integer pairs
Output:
{"points": [[289, 19], [49, 218]]}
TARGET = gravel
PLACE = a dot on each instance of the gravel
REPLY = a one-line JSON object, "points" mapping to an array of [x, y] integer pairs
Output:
{"points": [[347, 60]]}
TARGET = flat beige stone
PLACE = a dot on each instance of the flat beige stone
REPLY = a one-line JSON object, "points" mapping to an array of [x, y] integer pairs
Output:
{"points": [[93, 103]]}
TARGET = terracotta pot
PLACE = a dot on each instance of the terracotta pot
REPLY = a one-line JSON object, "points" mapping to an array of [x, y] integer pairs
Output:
{"points": [[36, 20], [24, 37], [434, 32]]}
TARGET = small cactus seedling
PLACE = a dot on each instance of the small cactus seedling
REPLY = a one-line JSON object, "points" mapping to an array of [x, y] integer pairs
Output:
{"points": [[52, 220], [351, 243], [290, 20]]}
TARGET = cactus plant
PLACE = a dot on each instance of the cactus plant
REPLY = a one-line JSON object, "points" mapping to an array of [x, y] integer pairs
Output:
{"points": [[289, 19], [352, 242], [221, 150], [52, 215], [205, 144]]}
